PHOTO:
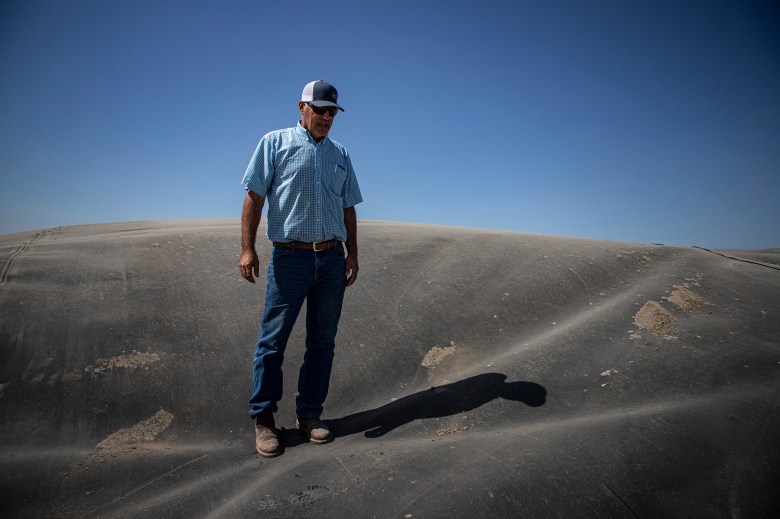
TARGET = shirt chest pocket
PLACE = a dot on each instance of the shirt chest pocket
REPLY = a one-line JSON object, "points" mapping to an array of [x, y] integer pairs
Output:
{"points": [[335, 177]]}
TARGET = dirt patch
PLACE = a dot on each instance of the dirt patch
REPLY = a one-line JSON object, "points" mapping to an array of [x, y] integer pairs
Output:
{"points": [[686, 300], [144, 431], [436, 355], [309, 496], [135, 359], [451, 430], [654, 318]]}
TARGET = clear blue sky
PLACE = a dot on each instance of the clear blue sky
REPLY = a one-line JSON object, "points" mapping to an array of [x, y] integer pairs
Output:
{"points": [[640, 121]]}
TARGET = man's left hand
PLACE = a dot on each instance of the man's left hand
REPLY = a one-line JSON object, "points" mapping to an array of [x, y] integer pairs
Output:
{"points": [[352, 269]]}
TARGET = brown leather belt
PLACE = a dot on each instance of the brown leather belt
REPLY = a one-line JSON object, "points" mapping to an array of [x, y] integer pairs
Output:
{"points": [[317, 247]]}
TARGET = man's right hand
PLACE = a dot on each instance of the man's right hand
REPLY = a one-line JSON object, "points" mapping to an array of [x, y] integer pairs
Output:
{"points": [[250, 218], [249, 264]]}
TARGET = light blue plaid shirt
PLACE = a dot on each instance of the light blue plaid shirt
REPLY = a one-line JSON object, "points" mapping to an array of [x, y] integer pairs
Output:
{"points": [[307, 185]]}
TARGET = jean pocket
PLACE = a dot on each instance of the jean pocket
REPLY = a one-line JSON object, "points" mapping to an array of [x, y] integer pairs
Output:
{"points": [[280, 252]]}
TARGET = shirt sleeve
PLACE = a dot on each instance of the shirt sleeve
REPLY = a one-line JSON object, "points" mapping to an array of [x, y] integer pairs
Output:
{"points": [[259, 173], [352, 196]]}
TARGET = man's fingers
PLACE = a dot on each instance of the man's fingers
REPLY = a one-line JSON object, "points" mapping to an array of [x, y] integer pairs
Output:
{"points": [[351, 269], [351, 276], [246, 273], [248, 270]]}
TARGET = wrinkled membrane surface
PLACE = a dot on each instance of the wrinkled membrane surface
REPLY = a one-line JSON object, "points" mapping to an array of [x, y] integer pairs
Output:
{"points": [[476, 372]]}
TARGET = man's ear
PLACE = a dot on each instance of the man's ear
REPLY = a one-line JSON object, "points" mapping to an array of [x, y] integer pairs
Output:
{"points": [[301, 105]]}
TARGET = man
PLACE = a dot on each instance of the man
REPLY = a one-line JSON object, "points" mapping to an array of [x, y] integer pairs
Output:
{"points": [[311, 189]]}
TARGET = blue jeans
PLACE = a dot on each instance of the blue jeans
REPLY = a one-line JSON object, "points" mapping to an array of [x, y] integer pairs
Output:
{"points": [[295, 275]]}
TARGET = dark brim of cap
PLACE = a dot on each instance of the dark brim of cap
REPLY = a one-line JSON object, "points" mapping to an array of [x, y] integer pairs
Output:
{"points": [[323, 104]]}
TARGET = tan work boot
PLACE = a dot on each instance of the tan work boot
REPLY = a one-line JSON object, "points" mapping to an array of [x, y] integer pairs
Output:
{"points": [[315, 429], [266, 439]]}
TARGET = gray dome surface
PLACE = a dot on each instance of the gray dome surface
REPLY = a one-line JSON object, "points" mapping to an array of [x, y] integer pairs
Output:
{"points": [[477, 373]]}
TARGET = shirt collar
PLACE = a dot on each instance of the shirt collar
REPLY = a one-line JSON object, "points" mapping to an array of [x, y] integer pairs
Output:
{"points": [[303, 132]]}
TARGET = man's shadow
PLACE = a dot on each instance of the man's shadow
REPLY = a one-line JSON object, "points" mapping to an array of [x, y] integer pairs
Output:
{"points": [[435, 402]]}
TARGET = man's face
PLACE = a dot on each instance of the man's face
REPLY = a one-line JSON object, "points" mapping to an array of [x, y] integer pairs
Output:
{"points": [[318, 125]]}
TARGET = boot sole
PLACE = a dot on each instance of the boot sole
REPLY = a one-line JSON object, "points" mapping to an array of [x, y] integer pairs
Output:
{"points": [[312, 440], [269, 454]]}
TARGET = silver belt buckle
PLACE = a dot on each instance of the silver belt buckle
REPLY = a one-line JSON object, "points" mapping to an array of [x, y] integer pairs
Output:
{"points": [[314, 246]]}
